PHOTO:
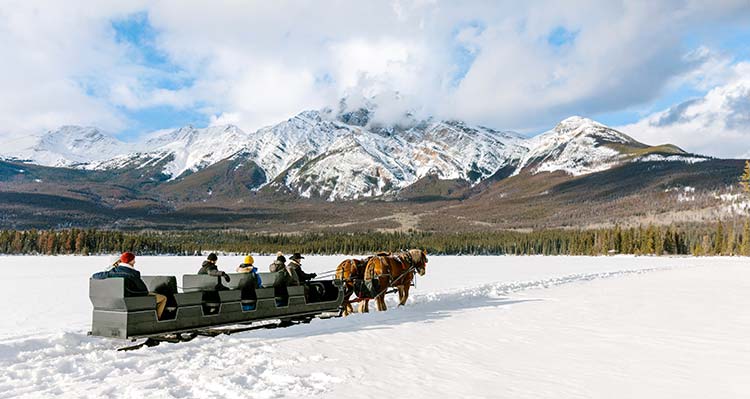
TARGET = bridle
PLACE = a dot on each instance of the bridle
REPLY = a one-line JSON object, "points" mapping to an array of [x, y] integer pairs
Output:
{"points": [[409, 260]]}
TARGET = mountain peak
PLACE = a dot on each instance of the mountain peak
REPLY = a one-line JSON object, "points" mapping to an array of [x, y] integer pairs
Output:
{"points": [[75, 132], [578, 126], [69, 145], [577, 123], [350, 153]]}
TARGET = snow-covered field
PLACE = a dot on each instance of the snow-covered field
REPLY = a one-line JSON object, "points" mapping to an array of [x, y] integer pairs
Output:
{"points": [[475, 327]]}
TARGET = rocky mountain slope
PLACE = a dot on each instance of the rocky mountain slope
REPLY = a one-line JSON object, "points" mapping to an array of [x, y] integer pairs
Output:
{"points": [[343, 156], [579, 146], [342, 170]]}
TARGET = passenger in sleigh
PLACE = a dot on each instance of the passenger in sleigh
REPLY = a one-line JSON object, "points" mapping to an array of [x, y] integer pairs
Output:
{"points": [[299, 277], [279, 264], [248, 267], [124, 268], [296, 275], [209, 267], [281, 280]]}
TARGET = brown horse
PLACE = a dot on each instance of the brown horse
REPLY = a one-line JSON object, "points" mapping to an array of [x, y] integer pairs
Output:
{"points": [[348, 271], [395, 270]]}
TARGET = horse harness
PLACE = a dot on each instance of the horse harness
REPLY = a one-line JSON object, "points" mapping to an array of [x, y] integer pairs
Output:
{"points": [[404, 257]]}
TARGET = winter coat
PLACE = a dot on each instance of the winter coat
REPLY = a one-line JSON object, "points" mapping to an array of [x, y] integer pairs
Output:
{"points": [[282, 276], [296, 275], [211, 269], [246, 268], [134, 285], [276, 266]]}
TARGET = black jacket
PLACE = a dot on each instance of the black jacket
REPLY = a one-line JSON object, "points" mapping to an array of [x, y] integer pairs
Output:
{"points": [[296, 268], [134, 285], [211, 269]]}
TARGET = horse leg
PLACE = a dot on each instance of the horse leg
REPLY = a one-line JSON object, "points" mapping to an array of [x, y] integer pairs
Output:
{"points": [[381, 303], [363, 306], [403, 295], [381, 298], [348, 309]]}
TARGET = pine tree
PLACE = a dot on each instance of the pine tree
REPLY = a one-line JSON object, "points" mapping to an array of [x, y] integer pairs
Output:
{"points": [[745, 243], [745, 178], [669, 244], [705, 246], [729, 246], [719, 241]]}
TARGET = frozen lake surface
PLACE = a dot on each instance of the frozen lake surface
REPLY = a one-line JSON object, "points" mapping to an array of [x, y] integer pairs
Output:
{"points": [[481, 327]]}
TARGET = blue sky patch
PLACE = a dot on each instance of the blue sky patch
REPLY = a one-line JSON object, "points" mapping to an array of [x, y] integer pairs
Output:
{"points": [[161, 117], [560, 36], [139, 36], [463, 54]]}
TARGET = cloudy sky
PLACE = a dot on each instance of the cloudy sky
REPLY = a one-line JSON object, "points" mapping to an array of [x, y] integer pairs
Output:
{"points": [[662, 71]]}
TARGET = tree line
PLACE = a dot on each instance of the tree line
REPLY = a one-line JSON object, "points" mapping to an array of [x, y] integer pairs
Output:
{"points": [[719, 239]]}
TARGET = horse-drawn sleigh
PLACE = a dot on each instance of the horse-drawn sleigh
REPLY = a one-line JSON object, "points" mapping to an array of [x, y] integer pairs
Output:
{"points": [[206, 303]]}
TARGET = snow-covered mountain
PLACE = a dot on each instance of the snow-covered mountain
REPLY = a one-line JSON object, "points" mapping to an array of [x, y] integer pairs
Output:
{"points": [[366, 162], [305, 136], [344, 155], [576, 146], [186, 149], [67, 146], [579, 146]]}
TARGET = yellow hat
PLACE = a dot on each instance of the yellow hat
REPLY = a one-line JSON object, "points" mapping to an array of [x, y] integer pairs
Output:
{"points": [[249, 260]]}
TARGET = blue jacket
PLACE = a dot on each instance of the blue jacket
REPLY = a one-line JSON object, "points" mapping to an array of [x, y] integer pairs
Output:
{"points": [[253, 272], [134, 285]]}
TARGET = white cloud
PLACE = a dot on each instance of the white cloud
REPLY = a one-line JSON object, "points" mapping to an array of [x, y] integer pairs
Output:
{"points": [[257, 63], [50, 52], [717, 124]]}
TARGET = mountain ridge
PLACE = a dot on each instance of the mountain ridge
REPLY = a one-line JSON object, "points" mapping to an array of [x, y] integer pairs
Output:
{"points": [[343, 156]]}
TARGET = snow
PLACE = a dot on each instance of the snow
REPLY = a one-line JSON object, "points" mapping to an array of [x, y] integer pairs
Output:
{"points": [[670, 158], [190, 149], [364, 162], [521, 327], [575, 147], [67, 146], [734, 203], [317, 153], [684, 194]]}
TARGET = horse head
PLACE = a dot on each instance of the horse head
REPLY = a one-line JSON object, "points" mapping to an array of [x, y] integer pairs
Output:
{"points": [[419, 260], [348, 269]]}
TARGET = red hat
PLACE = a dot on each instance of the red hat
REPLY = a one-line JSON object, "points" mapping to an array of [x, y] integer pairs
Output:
{"points": [[127, 257]]}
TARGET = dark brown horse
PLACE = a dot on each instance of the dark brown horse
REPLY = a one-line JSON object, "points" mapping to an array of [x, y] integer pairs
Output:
{"points": [[349, 271], [396, 270]]}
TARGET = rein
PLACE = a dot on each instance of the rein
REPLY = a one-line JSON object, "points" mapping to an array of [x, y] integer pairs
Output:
{"points": [[392, 283]]}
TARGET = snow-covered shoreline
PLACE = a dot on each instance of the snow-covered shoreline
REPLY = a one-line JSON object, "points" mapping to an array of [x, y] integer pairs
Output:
{"points": [[554, 327]]}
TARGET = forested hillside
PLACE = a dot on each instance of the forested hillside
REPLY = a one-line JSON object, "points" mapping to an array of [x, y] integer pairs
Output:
{"points": [[732, 238]]}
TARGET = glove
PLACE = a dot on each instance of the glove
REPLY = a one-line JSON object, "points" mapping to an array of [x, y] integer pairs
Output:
{"points": [[227, 278], [313, 275]]}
